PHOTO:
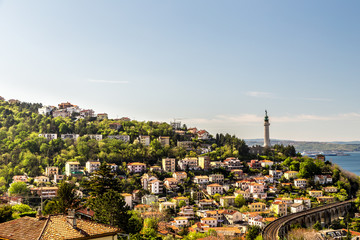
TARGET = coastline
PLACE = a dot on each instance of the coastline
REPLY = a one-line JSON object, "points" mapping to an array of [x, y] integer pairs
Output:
{"points": [[349, 163]]}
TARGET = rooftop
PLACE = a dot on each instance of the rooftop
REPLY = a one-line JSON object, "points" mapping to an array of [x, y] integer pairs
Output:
{"points": [[53, 227]]}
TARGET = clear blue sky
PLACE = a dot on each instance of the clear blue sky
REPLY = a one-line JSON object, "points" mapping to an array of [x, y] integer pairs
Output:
{"points": [[217, 65]]}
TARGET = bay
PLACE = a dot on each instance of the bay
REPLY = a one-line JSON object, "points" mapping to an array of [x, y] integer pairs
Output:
{"points": [[350, 163]]}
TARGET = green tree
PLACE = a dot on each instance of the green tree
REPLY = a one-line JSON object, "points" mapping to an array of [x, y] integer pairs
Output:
{"points": [[253, 232], [110, 209], [135, 224], [21, 208], [217, 197], [244, 209], [18, 188], [308, 169], [5, 213], [182, 203], [66, 197], [50, 207], [240, 201], [102, 181], [149, 231]]}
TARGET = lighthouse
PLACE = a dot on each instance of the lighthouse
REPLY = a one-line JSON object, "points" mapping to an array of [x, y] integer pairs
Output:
{"points": [[266, 133]]}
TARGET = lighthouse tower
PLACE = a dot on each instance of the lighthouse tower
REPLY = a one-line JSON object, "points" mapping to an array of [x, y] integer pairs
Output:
{"points": [[266, 135]]}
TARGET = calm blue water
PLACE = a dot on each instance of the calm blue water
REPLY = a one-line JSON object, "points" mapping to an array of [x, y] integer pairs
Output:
{"points": [[350, 163]]}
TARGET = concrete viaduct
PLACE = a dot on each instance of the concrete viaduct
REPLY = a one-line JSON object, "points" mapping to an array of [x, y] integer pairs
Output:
{"points": [[279, 228]]}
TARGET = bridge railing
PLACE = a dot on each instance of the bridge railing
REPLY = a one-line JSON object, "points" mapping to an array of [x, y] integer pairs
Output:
{"points": [[280, 222]]}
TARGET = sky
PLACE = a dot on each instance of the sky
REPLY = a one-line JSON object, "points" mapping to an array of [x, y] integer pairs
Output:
{"points": [[214, 65]]}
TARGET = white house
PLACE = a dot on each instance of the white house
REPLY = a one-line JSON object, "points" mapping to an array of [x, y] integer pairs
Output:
{"points": [[144, 140], [45, 110], [296, 207], [124, 138], [136, 167], [128, 199], [181, 221], [214, 188], [277, 174], [41, 179], [97, 137], [48, 136], [203, 134], [300, 183], [201, 179], [71, 168], [303, 200], [155, 186], [212, 222], [323, 179], [70, 136]]}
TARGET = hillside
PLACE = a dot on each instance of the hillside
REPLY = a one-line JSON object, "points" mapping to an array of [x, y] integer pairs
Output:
{"points": [[22, 150], [302, 146]]}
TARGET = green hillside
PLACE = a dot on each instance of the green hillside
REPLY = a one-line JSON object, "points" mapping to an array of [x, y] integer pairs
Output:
{"points": [[23, 151]]}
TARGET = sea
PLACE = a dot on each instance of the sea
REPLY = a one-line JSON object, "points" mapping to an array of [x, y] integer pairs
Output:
{"points": [[350, 163]]}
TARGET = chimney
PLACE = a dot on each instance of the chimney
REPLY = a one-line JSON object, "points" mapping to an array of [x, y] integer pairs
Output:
{"points": [[39, 215], [71, 219]]}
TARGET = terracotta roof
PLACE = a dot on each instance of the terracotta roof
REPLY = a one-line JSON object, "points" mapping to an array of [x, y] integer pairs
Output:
{"points": [[142, 206], [170, 180], [77, 163], [125, 194], [59, 228], [22, 228], [53, 227], [86, 211], [214, 185], [201, 177], [136, 163]]}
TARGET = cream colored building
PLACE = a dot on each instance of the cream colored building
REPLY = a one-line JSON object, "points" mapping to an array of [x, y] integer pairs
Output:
{"points": [[181, 221], [257, 207], [201, 179], [204, 162], [214, 188], [300, 183], [330, 189], [188, 164], [128, 199], [280, 208], [49, 171], [290, 174], [212, 222], [136, 167], [216, 178], [177, 200], [144, 140], [180, 176], [71, 168], [227, 201], [315, 193], [165, 205], [169, 164], [92, 166], [164, 141]]}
